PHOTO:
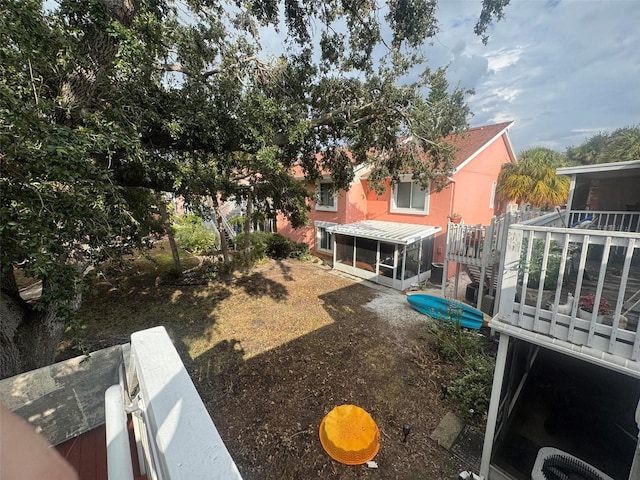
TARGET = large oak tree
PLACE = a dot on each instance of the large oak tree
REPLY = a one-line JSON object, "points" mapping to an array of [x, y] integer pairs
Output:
{"points": [[103, 103]]}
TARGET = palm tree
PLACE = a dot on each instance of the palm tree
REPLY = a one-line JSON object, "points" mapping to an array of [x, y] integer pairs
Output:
{"points": [[533, 179]]}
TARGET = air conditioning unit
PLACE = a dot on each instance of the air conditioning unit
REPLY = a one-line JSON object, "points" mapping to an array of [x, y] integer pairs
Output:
{"points": [[554, 464]]}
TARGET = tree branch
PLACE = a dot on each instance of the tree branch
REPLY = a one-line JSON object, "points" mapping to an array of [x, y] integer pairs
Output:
{"points": [[176, 67], [329, 117]]}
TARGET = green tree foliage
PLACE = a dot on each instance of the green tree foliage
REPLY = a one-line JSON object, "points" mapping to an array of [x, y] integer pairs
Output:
{"points": [[103, 102], [533, 179], [620, 145], [195, 237]]}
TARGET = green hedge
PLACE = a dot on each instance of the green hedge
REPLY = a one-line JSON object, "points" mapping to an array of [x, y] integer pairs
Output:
{"points": [[274, 245], [195, 237]]}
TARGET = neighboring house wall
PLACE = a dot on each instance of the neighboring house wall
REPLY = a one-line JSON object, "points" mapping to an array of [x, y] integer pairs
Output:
{"points": [[470, 195], [475, 187]]}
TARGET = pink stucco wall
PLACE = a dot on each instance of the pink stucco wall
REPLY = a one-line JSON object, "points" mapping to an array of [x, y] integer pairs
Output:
{"points": [[469, 195]]}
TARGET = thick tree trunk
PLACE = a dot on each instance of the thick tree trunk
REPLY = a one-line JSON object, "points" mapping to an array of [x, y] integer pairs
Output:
{"points": [[247, 224], [29, 336], [221, 231], [162, 208]]}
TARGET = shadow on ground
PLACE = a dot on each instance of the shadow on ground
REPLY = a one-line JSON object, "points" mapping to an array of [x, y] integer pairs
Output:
{"points": [[269, 407]]}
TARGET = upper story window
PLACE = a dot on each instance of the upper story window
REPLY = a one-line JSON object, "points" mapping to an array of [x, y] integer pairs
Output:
{"points": [[409, 197], [326, 198], [492, 200]]}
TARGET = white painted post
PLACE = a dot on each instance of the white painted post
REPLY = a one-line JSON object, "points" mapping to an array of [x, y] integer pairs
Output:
{"points": [[501, 246], [510, 274], [492, 415], [567, 213], [635, 466], [182, 432], [445, 269], [620, 301]]}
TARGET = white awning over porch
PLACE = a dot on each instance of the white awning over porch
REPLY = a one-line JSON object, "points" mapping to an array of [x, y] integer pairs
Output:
{"points": [[392, 232]]}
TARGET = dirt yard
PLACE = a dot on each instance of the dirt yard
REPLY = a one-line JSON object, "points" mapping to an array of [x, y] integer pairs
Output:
{"points": [[274, 350]]}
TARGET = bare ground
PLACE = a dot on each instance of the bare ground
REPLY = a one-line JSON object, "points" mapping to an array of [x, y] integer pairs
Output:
{"points": [[273, 350]]}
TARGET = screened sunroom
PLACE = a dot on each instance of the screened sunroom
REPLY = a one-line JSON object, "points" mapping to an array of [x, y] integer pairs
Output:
{"points": [[397, 255]]}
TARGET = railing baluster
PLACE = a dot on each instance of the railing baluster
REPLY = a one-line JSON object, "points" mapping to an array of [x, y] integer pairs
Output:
{"points": [[556, 302], [543, 276], [621, 292], [596, 304], [525, 278], [581, 268]]}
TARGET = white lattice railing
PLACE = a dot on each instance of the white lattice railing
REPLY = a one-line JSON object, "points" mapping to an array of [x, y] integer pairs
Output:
{"points": [[544, 267]]}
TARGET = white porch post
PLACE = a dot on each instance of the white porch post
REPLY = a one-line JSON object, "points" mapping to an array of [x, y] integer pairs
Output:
{"points": [[492, 415], [567, 213], [635, 466], [334, 245], [446, 262]]}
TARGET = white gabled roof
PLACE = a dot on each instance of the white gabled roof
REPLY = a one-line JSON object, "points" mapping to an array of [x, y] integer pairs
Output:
{"points": [[392, 232]]}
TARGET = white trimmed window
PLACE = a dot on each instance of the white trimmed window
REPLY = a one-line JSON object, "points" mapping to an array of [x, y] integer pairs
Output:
{"points": [[324, 239], [492, 200], [325, 198], [409, 197]]}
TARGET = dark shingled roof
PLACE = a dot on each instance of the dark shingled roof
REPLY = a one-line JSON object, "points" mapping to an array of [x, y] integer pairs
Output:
{"points": [[470, 141]]}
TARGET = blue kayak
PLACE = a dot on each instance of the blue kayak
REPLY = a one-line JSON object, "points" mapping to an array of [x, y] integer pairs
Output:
{"points": [[446, 310]]}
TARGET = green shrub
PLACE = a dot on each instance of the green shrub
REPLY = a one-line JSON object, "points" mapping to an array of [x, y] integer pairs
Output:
{"points": [[471, 390], [195, 237], [535, 264], [454, 343], [274, 245], [279, 246], [301, 251], [259, 243]]}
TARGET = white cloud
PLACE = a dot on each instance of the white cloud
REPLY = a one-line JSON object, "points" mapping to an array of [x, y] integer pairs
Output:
{"points": [[565, 70], [503, 58], [507, 94]]}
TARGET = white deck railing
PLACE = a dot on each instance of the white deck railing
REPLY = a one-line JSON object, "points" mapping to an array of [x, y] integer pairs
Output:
{"points": [[604, 220], [175, 433], [573, 262], [476, 244]]}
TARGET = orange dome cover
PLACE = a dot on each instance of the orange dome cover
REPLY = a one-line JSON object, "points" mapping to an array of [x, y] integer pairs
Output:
{"points": [[349, 435]]}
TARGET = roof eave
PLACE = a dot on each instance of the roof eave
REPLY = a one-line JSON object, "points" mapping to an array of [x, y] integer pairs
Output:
{"points": [[486, 145], [599, 167]]}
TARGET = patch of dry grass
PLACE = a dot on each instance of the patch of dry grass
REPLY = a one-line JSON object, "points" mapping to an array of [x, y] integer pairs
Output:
{"points": [[273, 350]]}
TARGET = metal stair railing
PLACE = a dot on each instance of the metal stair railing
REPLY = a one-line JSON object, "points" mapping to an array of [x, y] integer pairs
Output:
{"points": [[227, 226]]}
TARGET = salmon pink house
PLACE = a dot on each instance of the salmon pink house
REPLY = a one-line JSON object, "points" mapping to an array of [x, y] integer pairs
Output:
{"points": [[394, 238]]}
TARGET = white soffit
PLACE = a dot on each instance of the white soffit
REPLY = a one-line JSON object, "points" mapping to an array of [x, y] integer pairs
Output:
{"points": [[392, 232], [599, 167]]}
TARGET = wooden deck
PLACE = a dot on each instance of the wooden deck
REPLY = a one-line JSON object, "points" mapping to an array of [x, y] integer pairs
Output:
{"points": [[87, 454]]}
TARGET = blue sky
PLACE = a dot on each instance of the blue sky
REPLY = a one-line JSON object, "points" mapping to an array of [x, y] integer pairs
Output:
{"points": [[563, 70]]}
